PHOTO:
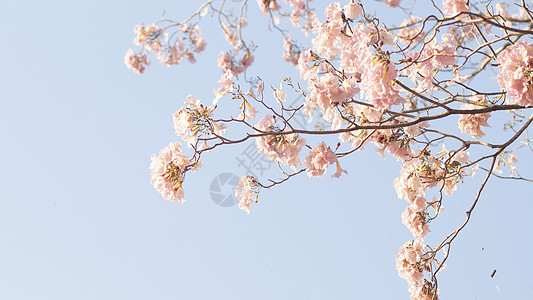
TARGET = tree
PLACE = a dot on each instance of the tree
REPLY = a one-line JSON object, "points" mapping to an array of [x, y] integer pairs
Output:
{"points": [[399, 89]]}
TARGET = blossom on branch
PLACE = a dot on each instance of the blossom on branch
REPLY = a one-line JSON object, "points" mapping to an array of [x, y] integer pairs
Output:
{"points": [[168, 172], [196, 121], [319, 159], [471, 123], [246, 192], [352, 10], [411, 264], [136, 62], [278, 146], [452, 7], [515, 66], [226, 84]]}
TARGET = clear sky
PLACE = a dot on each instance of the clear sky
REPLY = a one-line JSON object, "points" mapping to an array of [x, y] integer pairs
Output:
{"points": [[80, 220]]}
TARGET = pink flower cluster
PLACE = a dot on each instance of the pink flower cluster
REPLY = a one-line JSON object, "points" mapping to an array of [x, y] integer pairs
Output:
{"points": [[301, 10], [433, 57], [290, 51], [168, 172], [318, 160], [372, 74], [510, 162], [408, 32], [424, 171], [515, 66], [248, 112], [246, 192], [471, 123], [326, 92], [416, 222], [452, 7], [136, 62], [268, 5], [195, 121], [225, 87], [411, 264], [392, 3], [352, 10], [283, 148], [377, 82], [228, 61], [148, 37], [393, 141], [153, 39]]}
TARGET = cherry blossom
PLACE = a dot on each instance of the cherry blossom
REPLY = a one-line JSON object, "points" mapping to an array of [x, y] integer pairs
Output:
{"points": [[135, 62], [268, 5], [392, 3], [290, 51], [452, 7], [318, 160], [408, 32], [195, 121], [515, 66], [246, 192], [415, 220], [352, 10], [472, 123], [226, 84], [277, 147], [168, 172]]}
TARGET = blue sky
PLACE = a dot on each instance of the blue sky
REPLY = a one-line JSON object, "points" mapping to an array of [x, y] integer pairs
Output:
{"points": [[80, 220]]}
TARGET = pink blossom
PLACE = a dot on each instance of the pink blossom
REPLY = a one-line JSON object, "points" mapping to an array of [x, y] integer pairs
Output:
{"points": [[325, 93], [279, 94], [512, 164], [392, 3], [136, 62], [444, 52], [409, 32], [148, 37], [318, 160], [417, 175], [227, 62], [245, 62], [290, 51], [471, 123], [278, 147], [226, 84], [168, 170], [268, 5], [248, 112], [408, 263], [173, 56], [415, 220], [515, 66], [334, 14], [224, 61], [189, 56], [200, 45], [352, 10], [307, 71], [415, 130], [246, 192], [433, 57], [452, 7], [195, 120], [377, 82]]}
